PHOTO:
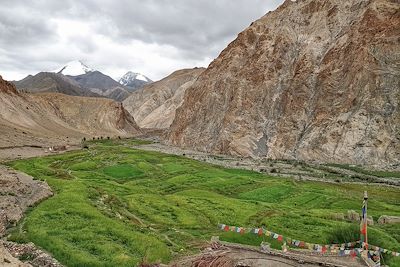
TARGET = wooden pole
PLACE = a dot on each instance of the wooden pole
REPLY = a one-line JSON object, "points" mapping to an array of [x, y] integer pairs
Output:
{"points": [[365, 218]]}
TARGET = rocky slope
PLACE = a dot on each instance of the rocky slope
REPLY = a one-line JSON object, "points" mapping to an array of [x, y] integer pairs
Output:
{"points": [[18, 191], [52, 82], [102, 85], [313, 80], [95, 80], [34, 119], [154, 105]]}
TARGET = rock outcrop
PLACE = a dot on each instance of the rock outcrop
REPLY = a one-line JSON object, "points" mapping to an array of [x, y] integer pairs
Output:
{"points": [[312, 80], [33, 255], [384, 219], [7, 87], [154, 105], [7, 260], [18, 191]]}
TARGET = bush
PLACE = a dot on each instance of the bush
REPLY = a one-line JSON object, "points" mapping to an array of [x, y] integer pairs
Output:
{"points": [[339, 235]]}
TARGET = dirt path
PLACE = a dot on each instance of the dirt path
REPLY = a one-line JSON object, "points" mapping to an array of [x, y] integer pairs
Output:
{"points": [[22, 152], [227, 254]]}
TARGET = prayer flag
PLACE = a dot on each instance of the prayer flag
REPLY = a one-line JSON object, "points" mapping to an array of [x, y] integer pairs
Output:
{"points": [[260, 232]]}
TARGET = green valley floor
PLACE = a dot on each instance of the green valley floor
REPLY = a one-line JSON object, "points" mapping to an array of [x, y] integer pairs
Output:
{"points": [[118, 206]]}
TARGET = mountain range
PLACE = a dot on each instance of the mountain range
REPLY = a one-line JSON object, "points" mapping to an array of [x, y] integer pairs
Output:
{"points": [[76, 78]]}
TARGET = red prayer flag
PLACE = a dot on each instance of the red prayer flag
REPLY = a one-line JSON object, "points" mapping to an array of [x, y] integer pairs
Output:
{"points": [[260, 232], [323, 249], [226, 229], [280, 238]]}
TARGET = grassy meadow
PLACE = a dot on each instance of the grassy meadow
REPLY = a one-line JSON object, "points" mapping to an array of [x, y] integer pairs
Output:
{"points": [[117, 206]]}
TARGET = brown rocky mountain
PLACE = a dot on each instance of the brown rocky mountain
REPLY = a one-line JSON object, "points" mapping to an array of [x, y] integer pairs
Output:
{"points": [[52, 82], [312, 80], [155, 104], [93, 84], [36, 119]]}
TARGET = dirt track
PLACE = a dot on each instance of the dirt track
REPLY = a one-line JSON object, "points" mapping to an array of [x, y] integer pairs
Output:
{"points": [[227, 255]]}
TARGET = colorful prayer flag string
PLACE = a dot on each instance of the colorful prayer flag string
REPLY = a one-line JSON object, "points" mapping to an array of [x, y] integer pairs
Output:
{"points": [[332, 248]]}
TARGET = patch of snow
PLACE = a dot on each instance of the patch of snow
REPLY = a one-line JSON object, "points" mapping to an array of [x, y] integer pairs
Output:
{"points": [[130, 76], [74, 68]]}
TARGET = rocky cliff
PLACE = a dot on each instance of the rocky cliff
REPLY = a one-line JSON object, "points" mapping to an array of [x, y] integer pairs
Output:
{"points": [[312, 80], [7, 87], [154, 105]]}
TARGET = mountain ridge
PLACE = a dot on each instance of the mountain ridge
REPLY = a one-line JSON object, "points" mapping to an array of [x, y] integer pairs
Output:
{"points": [[154, 105], [309, 81]]}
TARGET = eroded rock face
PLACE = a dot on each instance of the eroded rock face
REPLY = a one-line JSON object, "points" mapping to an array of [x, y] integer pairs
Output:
{"points": [[313, 80], [7, 87], [154, 105]]}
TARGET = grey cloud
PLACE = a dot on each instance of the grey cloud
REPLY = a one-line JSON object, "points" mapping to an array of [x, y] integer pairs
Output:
{"points": [[19, 28], [194, 26], [196, 29]]}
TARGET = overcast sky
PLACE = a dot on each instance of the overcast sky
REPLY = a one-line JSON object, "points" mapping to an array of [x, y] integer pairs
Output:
{"points": [[153, 37]]}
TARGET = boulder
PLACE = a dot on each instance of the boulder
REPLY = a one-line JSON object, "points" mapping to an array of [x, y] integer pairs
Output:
{"points": [[353, 216], [384, 219]]}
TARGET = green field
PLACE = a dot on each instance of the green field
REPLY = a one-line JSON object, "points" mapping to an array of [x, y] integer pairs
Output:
{"points": [[116, 206]]}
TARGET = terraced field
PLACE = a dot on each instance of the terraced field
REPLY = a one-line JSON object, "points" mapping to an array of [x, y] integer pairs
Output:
{"points": [[118, 206]]}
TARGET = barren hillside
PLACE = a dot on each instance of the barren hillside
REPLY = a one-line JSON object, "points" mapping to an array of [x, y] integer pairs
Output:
{"points": [[32, 119], [154, 105]]}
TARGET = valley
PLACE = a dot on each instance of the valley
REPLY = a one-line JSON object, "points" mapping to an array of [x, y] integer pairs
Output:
{"points": [[271, 143], [143, 206]]}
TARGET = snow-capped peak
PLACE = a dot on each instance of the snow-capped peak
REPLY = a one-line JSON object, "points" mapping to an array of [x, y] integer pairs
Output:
{"points": [[74, 68], [130, 77]]}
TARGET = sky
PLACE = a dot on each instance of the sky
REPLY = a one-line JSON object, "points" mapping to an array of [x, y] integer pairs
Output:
{"points": [[153, 37]]}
